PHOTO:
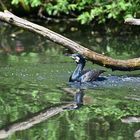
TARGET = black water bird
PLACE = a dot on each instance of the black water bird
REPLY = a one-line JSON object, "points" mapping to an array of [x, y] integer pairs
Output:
{"points": [[81, 75]]}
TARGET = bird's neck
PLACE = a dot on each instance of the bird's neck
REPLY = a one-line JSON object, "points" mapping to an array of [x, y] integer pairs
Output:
{"points": [[77, 72]]}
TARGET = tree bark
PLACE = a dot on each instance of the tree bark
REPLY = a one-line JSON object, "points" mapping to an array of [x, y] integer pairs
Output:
{"points": [[108, 62]]}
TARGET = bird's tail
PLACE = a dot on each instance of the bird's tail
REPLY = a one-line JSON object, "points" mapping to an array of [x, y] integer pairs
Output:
{"points": [[96, 74], [102, 71]]}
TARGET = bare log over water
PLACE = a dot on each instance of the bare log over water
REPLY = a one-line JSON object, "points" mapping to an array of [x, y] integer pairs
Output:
{"points": [[114, 64]]}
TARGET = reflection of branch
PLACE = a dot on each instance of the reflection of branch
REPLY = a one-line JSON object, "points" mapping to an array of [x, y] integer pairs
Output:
{"points": [[114, 64], [29, 122], [137, 134], [133, 97], [131, 120]]}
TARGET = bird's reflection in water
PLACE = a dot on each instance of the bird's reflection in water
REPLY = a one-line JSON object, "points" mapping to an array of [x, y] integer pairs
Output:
{"points": [[78, 99]]}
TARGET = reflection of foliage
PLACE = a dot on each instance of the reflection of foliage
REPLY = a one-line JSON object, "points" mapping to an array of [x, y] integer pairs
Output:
{"points": [[18, 102], [85, 10], [109, 41], [89, 122], [108, 107]]}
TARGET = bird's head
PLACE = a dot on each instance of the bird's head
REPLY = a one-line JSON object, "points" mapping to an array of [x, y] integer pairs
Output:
{"points": [[79, 59]]}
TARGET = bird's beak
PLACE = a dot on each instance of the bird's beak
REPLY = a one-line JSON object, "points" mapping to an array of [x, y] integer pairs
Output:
{"points": [[70, 55], [67, 54]]}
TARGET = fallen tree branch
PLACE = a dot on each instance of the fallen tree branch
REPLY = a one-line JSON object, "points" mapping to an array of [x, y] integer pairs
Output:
{"points": [[114, 64], [132, 21]]}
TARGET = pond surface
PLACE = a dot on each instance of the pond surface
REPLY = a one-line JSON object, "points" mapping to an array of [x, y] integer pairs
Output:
{"points": [[34, 75]]}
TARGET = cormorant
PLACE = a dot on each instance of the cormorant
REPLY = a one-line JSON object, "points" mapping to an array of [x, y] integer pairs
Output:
{"points": [[81, 75]]}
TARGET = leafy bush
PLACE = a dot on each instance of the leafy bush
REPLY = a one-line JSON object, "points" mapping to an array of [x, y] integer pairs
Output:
{"points": [[85, 10]]}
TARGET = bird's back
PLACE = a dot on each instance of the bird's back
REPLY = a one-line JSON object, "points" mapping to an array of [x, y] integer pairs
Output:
{"points": [[90, 75]]}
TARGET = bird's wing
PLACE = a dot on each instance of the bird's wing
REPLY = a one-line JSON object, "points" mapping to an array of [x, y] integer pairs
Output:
{"points": [[96, 74], [85, 71], [91, 75]]}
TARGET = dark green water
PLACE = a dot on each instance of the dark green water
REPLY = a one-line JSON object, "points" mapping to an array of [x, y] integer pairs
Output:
{"points": [[34, 73]]}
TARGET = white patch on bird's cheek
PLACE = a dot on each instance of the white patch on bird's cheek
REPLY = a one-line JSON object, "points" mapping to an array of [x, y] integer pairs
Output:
{"points": [[77, 59]]}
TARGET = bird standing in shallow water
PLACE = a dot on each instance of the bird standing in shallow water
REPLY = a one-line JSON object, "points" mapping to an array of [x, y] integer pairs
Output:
{"points": [[81, 75]]}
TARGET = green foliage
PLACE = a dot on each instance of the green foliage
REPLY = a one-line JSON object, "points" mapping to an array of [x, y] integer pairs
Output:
{"points": [[56, 9], [87, 10], [35, 3], [15, 1], [32, 3]]}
